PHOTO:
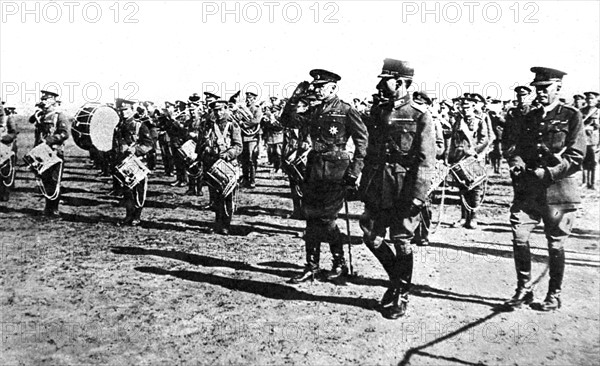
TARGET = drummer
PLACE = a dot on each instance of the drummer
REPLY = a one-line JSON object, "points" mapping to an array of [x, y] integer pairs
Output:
{"points": [[469, 138], [52, 128], [132, 137], [223, 141]]}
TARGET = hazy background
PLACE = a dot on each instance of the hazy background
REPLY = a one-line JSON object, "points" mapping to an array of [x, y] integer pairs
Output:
{"points": [[179, 47]]}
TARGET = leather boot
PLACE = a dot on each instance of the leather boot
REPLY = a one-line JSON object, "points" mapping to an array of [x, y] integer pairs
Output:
{"points": [[311, 269], [252, 176], [137, 214], [339, 268], [463, 218], [400, 286], [524, 292], [557, 269], [471, 220]]}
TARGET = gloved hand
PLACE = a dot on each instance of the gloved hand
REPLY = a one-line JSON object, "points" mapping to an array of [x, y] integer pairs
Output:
{"points": [[516, 171], [415, 207], [6, 139], [224, 156]]}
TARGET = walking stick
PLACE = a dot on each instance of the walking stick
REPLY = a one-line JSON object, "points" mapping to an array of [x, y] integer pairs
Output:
{"points": [[349, 238]]}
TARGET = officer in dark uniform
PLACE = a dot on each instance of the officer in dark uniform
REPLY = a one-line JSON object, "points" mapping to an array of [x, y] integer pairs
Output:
{"points": [[223, 140], [590, 115], [52, 128], [395, 180], [132, 136], [8, 137], [549, 150], [330, 169], [514, 119]]}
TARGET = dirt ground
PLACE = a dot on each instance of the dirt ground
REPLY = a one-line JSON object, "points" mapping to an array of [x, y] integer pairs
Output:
{"points": [[80, 290]]}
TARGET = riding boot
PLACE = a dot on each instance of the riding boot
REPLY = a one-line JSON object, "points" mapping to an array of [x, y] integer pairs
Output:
{"points": [[463, 217], [339, 267], [524, 291], [252, 176], [395, 307], [311, 269], [557, 269]]}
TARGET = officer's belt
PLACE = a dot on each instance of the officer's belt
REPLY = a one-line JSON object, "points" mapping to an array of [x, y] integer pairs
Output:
{"points": [[395, 158], [323, 148]]}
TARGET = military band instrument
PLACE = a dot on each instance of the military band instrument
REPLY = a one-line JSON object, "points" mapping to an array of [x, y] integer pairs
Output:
{"points": [[94, 126], [295, 165], [243, 116], [131, 171], [43, 159], [222, 177], [438, 175], [469, 173], [7, 165], [187, 152]]}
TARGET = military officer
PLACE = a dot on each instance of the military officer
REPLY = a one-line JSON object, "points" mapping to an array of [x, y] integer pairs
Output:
{"points": [[549, 150], [223, 140], [330, 169], [52, 128], [132, 136], [514, 119], [469, 139], [396, 178], [590, 124], [8, 137]]}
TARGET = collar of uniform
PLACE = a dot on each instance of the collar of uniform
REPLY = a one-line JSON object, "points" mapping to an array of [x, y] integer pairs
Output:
{"points": [[420, 107], [327, 105], [548, 108]]}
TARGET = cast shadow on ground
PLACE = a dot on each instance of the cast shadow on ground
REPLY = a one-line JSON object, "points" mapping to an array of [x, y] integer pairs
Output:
{"points": [[206, 261]]}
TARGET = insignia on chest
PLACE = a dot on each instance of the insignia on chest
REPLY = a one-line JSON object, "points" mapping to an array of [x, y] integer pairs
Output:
{"points": [[333, 130]]}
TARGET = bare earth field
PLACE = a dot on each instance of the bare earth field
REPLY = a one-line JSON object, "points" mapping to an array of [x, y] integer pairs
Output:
{"points": [[80, 290]]}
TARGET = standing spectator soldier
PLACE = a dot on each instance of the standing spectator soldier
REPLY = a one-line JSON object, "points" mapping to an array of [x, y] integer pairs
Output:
{"points": [[164, 140], [8, 137], [590, 115]]}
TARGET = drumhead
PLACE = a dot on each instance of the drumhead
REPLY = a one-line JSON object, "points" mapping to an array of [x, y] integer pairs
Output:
{"points": [[102, 126]]}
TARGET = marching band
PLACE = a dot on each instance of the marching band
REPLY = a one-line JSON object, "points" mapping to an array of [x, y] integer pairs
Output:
{"points": [[405, 146]]}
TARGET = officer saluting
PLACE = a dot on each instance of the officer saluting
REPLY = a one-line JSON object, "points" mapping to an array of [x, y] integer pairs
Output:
{"points": [[132, 137], [397, 175], [549, 150], [329, 169]]}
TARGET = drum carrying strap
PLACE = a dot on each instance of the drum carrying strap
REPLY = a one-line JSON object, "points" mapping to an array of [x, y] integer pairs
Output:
{"points": [[221, 135], [11, 172]]}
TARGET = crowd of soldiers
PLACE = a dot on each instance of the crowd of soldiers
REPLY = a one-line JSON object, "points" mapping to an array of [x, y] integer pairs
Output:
{"points": [[400, 141]]}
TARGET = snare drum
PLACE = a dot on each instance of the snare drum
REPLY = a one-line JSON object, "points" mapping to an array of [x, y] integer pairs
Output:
{"points": [[469, 172], [41, 158], [295, 166], [94, 126], [6, 153], [438, 176], [222, 176], [131, 171], [187, 152]]}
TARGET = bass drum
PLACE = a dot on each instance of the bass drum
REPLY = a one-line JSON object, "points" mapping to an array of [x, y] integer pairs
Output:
{"points": [[94, 126]]}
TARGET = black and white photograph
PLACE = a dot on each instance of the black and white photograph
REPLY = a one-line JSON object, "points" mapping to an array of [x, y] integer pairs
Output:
{"points": [[306, 182]]}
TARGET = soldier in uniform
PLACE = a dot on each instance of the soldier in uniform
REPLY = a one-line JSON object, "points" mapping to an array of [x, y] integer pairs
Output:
{"points": [[549, 150], [514, 119], [150, 119], [176, 129], [590, 124], [132, 136], [8, 137], [273, 131], [469, 138], [222, 140], [207, 120], [250, 130], [396, 178], [578, 101], [421, 237], [330, 169], [164, 140], [52, 128]]}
